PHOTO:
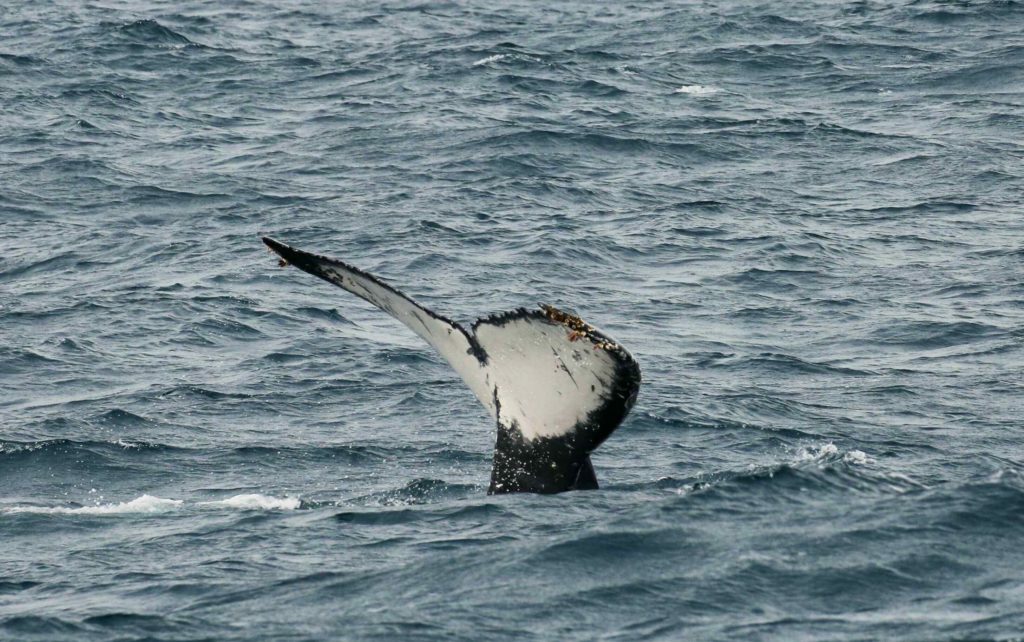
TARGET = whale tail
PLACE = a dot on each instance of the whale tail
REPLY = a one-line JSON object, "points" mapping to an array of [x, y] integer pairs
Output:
{"points": [[556, 386]]}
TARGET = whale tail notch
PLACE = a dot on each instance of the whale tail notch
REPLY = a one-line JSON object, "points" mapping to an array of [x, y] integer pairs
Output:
{"points": [[556, 386]]}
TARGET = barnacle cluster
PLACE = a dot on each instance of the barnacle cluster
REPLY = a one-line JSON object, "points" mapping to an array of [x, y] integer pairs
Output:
{"points": [[578, 328], [280, 262]]}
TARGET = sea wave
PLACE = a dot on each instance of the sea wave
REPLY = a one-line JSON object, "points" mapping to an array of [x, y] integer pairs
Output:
{"points": [[150, 504]]}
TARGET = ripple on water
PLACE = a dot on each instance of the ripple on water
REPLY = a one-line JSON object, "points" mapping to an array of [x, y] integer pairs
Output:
{"points": [[804, 221]]}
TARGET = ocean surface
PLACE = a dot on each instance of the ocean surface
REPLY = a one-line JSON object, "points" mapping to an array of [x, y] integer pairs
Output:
{"points": [[805, 221]]}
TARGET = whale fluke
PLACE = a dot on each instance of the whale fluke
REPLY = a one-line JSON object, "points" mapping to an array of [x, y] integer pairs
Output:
{"points": [[556, 386]]}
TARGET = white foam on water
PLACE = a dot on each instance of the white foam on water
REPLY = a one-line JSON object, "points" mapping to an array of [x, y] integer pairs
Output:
{"points": [[255, 501], [488, 59], [149, 504], [11, 448], [697, 90], [857, 457], [830, 450], [144, 504], [811, 453]]}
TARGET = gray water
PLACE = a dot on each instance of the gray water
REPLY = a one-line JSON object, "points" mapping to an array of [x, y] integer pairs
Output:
{"points": [[805, 222]]}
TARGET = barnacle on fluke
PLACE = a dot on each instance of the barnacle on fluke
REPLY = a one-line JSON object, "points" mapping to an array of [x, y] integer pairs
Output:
{"points": [[578, 328]]}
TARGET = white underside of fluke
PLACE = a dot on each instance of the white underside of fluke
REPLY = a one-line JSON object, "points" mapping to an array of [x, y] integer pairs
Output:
{"points": [[548, 377]]}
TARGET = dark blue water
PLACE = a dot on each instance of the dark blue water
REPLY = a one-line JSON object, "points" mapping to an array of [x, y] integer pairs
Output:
{"points": [[806, 222]]}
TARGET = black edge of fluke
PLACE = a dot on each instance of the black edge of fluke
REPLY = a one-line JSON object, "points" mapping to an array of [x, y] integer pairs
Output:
{"points": [[285, 251], [309, 262], [272, 244]]}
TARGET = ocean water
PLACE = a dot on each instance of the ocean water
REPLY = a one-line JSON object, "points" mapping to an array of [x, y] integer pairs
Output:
{"points": [[805, 220]]}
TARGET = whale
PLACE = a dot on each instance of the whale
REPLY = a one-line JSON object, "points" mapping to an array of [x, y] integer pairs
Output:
{"points": [[555, 386]]}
